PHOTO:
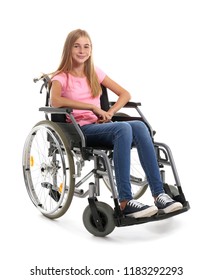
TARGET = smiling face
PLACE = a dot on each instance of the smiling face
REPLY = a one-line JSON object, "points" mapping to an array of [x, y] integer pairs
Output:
{"points": [[81, 51]]}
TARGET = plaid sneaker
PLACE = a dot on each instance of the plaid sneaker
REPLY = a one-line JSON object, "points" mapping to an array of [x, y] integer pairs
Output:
{"points": [[136, 209], [166, 204]]}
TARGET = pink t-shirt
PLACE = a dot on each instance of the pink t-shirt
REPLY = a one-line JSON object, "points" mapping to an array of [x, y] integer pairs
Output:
{"points": [[76, 88]]}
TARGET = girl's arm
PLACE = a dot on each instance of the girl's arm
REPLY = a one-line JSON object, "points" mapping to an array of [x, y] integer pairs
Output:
{"points": [[123, 95], [56, 100]]}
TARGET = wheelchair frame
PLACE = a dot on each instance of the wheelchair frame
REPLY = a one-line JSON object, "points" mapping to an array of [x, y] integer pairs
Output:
{"points": [[99, 218]]}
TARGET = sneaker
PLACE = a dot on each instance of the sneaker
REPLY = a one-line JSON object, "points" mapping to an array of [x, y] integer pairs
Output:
{"points": [[136, 209], [166, 204]]}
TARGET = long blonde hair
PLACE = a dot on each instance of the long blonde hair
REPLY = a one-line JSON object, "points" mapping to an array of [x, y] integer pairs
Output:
{"points": [[66, 63]]}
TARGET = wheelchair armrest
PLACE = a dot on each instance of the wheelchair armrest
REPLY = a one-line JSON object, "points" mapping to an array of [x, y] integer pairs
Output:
{"points": [[128, 104], [52, 110]]}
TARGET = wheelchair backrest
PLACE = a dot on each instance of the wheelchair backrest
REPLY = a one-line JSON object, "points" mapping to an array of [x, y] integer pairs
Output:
{"points": [[104, 99]]}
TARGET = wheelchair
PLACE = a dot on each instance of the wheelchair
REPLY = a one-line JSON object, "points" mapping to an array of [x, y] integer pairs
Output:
{"points": [[55, 154]]}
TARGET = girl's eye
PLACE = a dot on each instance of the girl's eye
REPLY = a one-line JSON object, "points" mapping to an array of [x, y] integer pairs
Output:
{"points": [[85, 47]]}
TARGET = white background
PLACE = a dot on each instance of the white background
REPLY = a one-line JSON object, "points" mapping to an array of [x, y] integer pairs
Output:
{"points": [[161, 51]]}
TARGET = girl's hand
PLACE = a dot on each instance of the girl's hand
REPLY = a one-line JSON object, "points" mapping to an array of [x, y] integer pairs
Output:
{"points": [[102, 115]]}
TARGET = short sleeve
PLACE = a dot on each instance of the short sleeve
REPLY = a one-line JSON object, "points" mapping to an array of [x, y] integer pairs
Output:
{"points": [[101, 74], [62, 78]]}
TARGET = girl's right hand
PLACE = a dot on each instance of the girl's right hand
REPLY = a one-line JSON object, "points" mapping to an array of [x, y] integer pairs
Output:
{"points": [[102, 115]]}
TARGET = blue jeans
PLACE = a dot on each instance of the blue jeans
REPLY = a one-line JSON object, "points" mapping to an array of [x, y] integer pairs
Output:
{"points": [[121, 135]]}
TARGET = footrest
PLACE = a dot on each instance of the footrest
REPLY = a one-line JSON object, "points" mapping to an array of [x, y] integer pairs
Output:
{"points": [[128, 221]]}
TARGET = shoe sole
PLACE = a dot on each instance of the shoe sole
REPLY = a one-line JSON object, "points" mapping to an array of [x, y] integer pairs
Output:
{"points": [[149, 212], [171, 208]]}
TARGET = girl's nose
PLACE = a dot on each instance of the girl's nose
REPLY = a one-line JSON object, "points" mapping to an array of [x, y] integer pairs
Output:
{"points": [[81, 49]]}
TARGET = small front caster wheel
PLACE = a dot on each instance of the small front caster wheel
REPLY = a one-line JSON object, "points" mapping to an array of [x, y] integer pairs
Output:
{"points": [[106, 218]]}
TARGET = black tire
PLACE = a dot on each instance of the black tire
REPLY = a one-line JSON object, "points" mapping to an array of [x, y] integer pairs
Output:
{"points": [[106, 213]]}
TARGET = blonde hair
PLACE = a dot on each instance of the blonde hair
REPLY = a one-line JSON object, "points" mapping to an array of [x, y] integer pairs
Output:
{"points": [[66, 63]]}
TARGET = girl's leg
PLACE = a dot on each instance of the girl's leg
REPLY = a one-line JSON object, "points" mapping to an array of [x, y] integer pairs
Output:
{"points": [[117, 135], [147, 156], [148, 159]]}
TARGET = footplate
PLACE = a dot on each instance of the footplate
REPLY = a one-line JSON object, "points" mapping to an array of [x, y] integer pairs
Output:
{"points": [[121, 221]]}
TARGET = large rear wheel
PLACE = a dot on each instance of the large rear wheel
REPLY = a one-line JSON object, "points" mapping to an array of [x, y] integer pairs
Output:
{"points": [[48, 169]]}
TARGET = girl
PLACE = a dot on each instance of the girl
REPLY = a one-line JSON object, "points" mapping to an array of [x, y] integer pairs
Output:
{"points": [[76, 84]]}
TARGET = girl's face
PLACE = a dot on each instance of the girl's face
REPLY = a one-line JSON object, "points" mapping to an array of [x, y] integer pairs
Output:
{"points": [[81, 50]]}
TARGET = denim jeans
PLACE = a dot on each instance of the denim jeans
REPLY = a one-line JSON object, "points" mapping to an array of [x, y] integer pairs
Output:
{"points": [[122, 135]]}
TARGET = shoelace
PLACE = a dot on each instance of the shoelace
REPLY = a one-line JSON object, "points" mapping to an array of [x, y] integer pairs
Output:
{"points": [[164, 198], [135, 203]]}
